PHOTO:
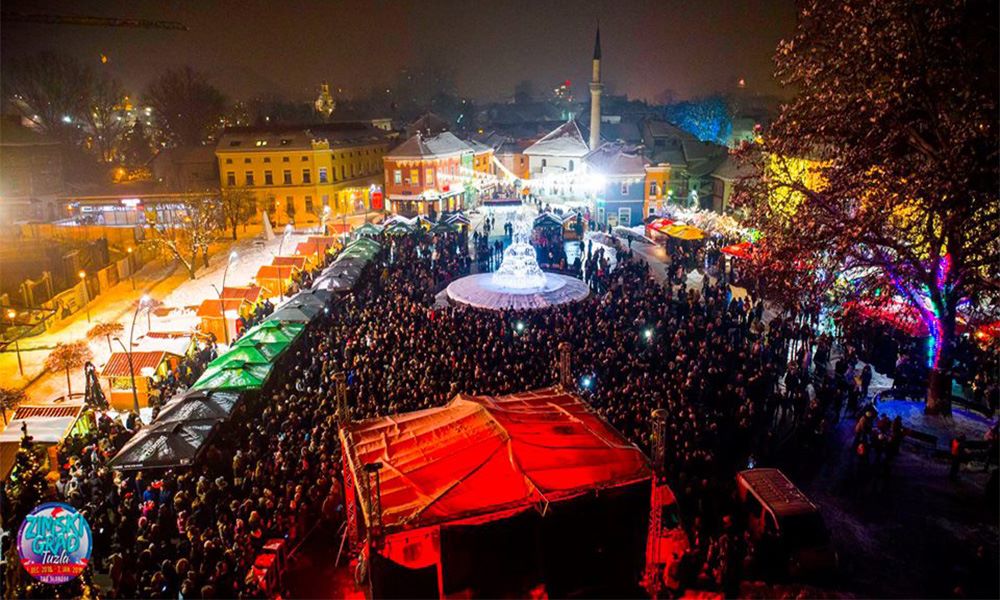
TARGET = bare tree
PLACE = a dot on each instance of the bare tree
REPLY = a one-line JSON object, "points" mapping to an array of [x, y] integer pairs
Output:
{"points": [[66, 356], [10, 398], [107, 120], [187, 108], [238, 206], [105, 330], [52, 91], [193, 234]]}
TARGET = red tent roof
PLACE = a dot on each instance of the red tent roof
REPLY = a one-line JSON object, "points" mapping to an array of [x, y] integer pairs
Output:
{"points": [[274, 272], [118, 363], [481, 455], [250, 293], [212, 307], [298, 262], [741, 250]]}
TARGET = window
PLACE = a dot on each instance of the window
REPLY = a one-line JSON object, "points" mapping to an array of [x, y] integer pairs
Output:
{"points": [[625, 217], [234, 143], [430, 177], [249, 177], [289, 206], [352, 170], [305, 158], [229, 161], [306, 176], [261, 143], [309, 204], [322, 175], [285, 142], [268, 178], [397, 176], [624, 189], [342, 172], [653, 189], [267, 159], [415, 175], [545, 163], [286, 177], [570, 165], [246, 161], [285, 159], [230, 178]]}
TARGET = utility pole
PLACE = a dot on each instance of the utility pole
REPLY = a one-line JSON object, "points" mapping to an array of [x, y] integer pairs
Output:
{"points": [[565, 355]]}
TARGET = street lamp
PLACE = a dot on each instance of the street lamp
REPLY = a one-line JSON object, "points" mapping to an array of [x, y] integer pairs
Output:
{"points": [[131, 266], [222, 303], [288, 232], [86, 293], [17, 348], [323, 218], [131, 371], [142, 303]]}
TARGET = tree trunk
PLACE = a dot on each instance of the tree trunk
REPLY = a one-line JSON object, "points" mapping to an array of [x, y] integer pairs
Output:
{"points": [[110, 349], [235, 225], [194, 263], [940, 377], [69, 388]]}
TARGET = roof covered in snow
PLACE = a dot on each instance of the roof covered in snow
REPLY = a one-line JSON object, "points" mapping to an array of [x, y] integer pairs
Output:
{"points": [[283, 137], [418, 146], [615, 158], [565, 140]]}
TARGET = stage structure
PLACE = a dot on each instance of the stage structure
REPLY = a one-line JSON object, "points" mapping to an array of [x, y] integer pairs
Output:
{"points": [[519, 283], [499, 497]]}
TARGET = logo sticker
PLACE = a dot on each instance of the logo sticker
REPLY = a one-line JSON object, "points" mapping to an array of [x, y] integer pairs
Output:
{"points": [[54, 543]]}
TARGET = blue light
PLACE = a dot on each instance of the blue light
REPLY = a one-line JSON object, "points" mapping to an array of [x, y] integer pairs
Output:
{"points": [[587, 381]]}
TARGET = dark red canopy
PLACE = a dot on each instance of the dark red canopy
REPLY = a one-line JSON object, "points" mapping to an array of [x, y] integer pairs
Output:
{"points": [[741, 250], [483, 457]]}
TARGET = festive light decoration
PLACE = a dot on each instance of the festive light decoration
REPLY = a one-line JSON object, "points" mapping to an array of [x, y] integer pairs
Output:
{"points": [[519, 269]]}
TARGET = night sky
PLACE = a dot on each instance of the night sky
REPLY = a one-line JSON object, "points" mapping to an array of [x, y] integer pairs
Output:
{"points": [[252, 47]]}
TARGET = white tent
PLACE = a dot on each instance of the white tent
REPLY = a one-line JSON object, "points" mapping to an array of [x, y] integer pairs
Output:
{"points": [[45, 423]]}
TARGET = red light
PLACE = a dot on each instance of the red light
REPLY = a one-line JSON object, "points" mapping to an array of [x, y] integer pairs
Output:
{"points": [[567, 83]]}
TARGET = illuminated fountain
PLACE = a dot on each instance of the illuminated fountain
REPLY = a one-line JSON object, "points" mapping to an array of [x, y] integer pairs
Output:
{"points": [[519, 283]]}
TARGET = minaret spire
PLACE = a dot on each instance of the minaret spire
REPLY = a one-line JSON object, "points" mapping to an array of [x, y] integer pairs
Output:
{"points": [[595, 94]]}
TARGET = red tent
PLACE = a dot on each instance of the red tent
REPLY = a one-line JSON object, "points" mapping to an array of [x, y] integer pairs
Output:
{"points": [[659, 225], [741, 250], [481, 460]]}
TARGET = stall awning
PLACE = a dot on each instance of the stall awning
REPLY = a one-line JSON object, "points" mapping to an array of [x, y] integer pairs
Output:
{"points": [[117, 365], [481, 455], [250, 293], [164, 444], [213, 307], [197, 405]]}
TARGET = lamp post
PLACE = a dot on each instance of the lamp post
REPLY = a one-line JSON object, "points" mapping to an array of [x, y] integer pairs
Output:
{"points": [[143, 302], [131, 371], [222, 303], [86, 293], [288, 232], [17, 348], [131, 266]]}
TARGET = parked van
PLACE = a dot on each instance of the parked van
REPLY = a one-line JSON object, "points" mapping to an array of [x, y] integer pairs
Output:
{"points": [[779, 512]]}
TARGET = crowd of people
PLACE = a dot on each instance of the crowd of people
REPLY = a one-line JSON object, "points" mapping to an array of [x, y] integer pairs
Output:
{"points": [[733, 382]]}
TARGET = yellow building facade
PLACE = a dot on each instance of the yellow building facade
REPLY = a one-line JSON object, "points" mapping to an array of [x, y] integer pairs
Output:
{"points": [[657, 189], [295, 173]]}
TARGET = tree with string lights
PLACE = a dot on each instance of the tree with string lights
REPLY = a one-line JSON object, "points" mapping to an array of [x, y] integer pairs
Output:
{"points": [[879, 179]]}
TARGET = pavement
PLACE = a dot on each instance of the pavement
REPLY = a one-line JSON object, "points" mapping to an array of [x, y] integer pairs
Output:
{"points": [[163, 280], [911, 533]]}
